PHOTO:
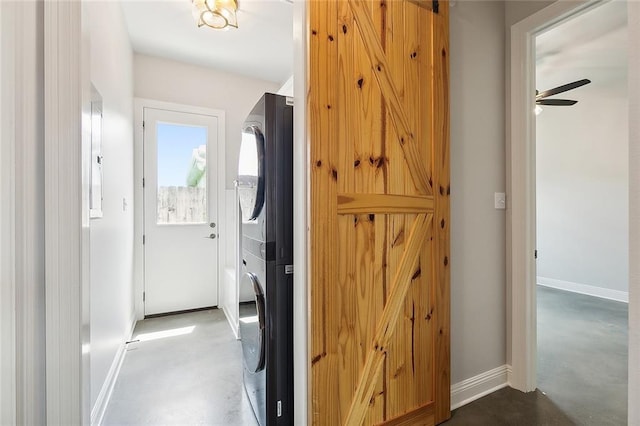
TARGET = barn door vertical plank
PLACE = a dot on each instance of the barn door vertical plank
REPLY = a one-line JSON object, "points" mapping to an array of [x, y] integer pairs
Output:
{"points": [[369, 307], [442, 189], [425, 321], [414, 349], [377, 163], [397, 177], [345, 301], [370, 142], [419, 345], [399, 224], [323, 132]]}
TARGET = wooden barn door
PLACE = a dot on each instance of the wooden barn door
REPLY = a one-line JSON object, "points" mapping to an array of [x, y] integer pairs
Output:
{"points": [[379, 139]]}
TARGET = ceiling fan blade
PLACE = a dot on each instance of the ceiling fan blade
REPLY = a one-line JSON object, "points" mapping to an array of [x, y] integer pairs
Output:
{"points": [[563, 88], [556, 102]]}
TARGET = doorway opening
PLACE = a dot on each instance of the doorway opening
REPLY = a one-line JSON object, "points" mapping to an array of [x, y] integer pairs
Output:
{"points": [[582, 225], [167, 239], [521, 210]]}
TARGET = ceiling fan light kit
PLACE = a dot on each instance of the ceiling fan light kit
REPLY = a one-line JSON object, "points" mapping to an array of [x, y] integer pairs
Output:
{"points": [[216, 14], [541, 96]]}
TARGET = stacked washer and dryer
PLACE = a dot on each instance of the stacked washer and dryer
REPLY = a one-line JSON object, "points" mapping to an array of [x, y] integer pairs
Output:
{"points": [[265, 192]]}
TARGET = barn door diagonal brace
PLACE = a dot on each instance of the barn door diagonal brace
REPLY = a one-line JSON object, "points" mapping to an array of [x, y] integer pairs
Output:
{"points": [[399, 119], [388, 320]]}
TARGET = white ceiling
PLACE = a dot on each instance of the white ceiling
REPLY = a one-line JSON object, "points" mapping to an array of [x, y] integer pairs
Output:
{"points": [[592, 45], [262, 46]]}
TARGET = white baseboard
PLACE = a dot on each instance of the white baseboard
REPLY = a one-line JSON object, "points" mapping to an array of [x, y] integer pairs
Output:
{"points": [[98, 410], [589, 290], [476, 387], [509, 374]]}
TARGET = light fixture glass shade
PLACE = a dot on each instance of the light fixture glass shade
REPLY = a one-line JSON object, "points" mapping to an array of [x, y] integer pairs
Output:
{"points": [[197, 9], [217, 14]]}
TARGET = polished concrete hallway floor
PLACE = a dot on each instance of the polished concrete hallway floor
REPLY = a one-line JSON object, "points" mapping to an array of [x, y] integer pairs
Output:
{"points": [[196, 378], [192, 376]]}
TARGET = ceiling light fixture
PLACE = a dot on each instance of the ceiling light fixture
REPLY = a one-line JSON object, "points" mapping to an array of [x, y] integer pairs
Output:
{"points": [[216, 14]]}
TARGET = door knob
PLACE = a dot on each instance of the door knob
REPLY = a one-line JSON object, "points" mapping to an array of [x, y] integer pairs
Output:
{"points": [[211, 236], [212, 224]]}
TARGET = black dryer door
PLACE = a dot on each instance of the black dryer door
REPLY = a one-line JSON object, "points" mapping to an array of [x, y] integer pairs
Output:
{"points": [[252, 325], [251, 173]]}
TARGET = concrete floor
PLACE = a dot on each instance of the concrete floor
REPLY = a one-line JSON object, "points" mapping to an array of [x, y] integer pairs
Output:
{"points": [[188, 379], [582, 356], [196, 378], [509, 407], [582, 369]]}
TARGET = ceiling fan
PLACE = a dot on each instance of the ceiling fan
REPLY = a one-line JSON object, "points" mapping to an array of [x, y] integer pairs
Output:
{"points": [[541, 96]]}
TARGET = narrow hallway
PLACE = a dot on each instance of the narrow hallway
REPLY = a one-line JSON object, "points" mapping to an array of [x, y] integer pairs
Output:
{"points": [[185, 369]]}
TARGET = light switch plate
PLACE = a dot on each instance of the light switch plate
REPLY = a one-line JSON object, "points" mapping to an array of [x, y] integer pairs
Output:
{"points": [[500, 200]]}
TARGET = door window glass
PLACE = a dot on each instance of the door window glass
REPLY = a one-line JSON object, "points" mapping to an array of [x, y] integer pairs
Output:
{"points": [[182, 174]]}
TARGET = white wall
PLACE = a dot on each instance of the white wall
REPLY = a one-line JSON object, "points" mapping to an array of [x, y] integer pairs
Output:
{"points": [[582, 187], [477, 171], [170, 81], [112, 306], [287, 88]]}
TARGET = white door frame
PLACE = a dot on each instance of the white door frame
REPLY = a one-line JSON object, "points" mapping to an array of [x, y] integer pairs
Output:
{"points": [[138, 158], [301, 204], [634, 213], [66, 221], [521, 212], [7, 222], [22, 255]]}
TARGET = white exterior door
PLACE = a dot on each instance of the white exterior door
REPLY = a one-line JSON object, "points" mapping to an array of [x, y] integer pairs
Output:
{"points": [[180, 211]]}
